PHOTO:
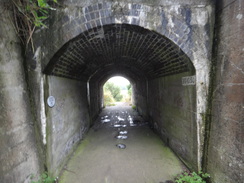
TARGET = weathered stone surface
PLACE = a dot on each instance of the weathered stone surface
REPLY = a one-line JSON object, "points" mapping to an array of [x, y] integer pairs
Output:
{"points": [[67, 121], [148, 2], [174, 22], [18, 150], [225, 157], [172, 112]]}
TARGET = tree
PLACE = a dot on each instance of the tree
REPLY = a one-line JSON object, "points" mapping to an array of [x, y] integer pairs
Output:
{"points": [[129, 93], [108, 98], [114, 90], [129, 88]]}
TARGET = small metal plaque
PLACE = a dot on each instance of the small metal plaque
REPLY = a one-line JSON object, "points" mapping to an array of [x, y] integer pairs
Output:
{"points": [[51, 101], [189, 80]]}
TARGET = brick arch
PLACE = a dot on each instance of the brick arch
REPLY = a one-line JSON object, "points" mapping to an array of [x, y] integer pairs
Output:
{"points": [[174, 26], [119, 45], [104, 74]]}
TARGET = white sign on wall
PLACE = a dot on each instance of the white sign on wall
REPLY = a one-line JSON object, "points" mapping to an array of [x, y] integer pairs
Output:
{"points": [[51, 101], [189, 80]]}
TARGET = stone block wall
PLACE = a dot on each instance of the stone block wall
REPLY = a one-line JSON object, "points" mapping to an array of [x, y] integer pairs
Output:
{"points": [[67, 121], [226, 144], [140, 97], [95, 100], [19, 157], [172, 112]]}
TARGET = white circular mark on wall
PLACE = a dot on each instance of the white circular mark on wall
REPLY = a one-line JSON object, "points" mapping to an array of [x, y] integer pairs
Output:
{"points": [[51, 101], [239, 16]]}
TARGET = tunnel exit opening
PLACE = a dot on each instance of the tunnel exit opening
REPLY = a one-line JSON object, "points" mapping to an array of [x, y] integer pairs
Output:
{"points": [[117, 90]]}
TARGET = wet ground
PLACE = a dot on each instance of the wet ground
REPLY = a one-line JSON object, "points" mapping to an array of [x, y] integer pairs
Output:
{"points": [[121, 148]]}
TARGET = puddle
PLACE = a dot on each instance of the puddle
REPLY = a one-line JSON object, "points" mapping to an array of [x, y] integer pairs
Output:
{"points": [[104, 117], [123, 137], [123, 132], [120, 119], [106, 120], [121, 146], [118, 125]]}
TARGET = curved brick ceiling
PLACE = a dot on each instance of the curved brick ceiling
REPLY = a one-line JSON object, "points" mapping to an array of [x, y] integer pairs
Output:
{"points": [[118, 46]]}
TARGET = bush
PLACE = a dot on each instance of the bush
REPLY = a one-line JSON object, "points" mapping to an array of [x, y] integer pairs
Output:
{"points": [[108, 98], [44, 178], [114, 91], [192, 177]]}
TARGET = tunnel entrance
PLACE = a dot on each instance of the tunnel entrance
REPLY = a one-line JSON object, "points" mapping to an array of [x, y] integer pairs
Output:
{"points": [[117, 91], [163, 47], [162, 76]]}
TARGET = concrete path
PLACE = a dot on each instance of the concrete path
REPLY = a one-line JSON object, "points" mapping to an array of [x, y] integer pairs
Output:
{"points": [[98, 160]]}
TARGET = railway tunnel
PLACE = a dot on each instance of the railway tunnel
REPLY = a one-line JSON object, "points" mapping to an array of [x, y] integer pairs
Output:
{"points": [[155, 66], [155, 48], [164, 48]]}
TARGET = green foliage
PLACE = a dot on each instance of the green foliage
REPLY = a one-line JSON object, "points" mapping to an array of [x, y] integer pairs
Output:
{"points": [[38, 11], [133, 107], [192, 177], [35, 11], [29, 14], [114, 90], [44, 178], [129, 88], [108, 98], [129, 91]]}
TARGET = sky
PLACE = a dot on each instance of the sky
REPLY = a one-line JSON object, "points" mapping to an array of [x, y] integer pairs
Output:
{"points": [[120, 81]]}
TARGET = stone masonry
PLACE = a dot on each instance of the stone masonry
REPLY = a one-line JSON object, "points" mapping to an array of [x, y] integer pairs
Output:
{"points": [[153, 43]]}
